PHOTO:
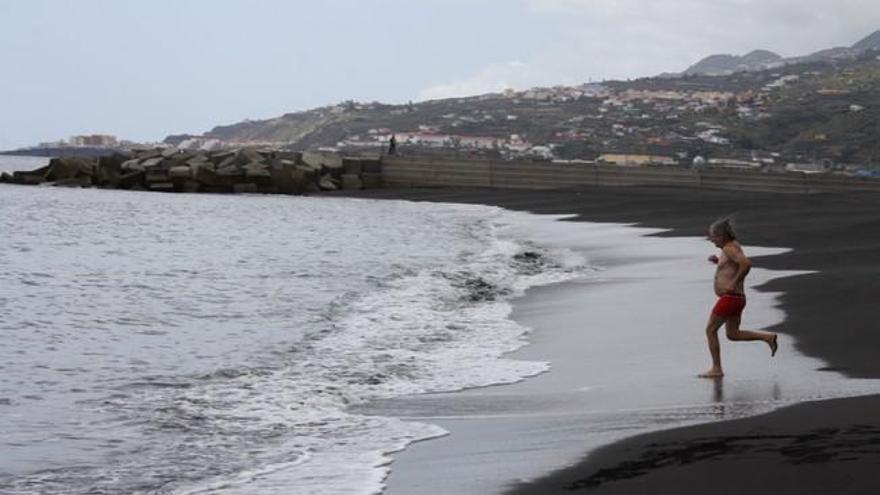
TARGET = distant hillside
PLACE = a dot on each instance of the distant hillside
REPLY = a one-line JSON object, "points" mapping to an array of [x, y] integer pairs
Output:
{"points": [[833, 115], [826, 105], [870, 42], [728, 64], [827, 55], [718, 65]]}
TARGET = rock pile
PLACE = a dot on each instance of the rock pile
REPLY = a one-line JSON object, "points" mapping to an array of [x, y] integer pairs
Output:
{"points": [[244, 170]]}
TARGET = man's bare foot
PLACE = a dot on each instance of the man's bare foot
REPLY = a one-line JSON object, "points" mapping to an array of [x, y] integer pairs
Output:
{"points": [[773, 344], [713, 373]]}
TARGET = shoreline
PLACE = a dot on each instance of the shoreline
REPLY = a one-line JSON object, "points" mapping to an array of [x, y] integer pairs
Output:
{"points": [[823, 446], [830, 233], [527, 429], [834, 235]]}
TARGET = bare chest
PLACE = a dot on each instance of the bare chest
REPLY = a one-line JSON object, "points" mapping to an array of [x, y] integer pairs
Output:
{"points": [[725, 266]]}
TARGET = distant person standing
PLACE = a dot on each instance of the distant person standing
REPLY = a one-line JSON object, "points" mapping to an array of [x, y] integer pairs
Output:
{"points": [[392, 145], [733, 266]]}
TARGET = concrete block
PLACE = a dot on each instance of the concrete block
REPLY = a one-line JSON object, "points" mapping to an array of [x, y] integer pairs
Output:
{"points": [[133, 165], [215, 189], [371, 166], [180, 172], [145, 154], [249, 155], [131, 180], [322, 159], [69, 167], [254, 170], [283, 180], [351, 165], [27, 178], [205, 176], [108, 169], [351, 182], [278, 163], [151, 162], [156, 175], [222, 156], [229, 171], [306, 182], [309, 169], [229, 176], [81, 181], [228, 162], [371, 181], [294, 156], [161, 186], [266, 156], [200, 160], [191, 186], [245, 188], [335, 172], [327, 183], [181, 157]]}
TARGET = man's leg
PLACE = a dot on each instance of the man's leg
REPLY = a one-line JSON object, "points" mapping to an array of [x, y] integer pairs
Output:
{"points": [[735, 334], [712, 327]]}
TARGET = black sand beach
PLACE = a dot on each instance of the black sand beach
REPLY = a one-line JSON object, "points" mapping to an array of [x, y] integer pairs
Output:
{"points": [[817, 447]]}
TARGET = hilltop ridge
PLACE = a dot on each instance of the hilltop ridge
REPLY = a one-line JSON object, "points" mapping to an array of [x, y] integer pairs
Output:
{"points": [[719, 65]]}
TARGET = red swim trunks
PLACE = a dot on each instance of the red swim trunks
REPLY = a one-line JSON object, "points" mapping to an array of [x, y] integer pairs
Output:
{"points": [[729, 306]]}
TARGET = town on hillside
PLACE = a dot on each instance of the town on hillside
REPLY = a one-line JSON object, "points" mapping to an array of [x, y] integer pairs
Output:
{"points": [[810, 117], [814, 115]]}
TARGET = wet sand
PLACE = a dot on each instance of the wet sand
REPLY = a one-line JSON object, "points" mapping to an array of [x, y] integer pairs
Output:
{"points": [[826, 446]]}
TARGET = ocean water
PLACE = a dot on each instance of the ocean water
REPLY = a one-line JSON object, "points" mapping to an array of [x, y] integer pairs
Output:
{"points": [[202, 344]]}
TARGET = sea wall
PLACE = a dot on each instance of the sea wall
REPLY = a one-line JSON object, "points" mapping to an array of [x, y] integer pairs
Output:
{"points": [[286, 172], [431, 171]]}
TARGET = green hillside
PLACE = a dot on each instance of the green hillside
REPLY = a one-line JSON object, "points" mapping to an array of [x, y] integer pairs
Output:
{"points": [[805, 111]]}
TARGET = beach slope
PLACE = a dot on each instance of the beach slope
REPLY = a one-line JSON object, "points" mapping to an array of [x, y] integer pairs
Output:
{"points": [[827, 446]]}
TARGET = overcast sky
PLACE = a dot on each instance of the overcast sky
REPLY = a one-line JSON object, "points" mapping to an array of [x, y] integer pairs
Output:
{"points": [[143, 69]]}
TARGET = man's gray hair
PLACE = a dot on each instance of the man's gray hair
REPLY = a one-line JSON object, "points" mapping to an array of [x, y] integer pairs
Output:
{"points": [[724, 227]]}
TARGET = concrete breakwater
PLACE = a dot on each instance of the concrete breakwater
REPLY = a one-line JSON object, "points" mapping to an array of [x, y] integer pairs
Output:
{"points": [[287, 172], [241, 171]]}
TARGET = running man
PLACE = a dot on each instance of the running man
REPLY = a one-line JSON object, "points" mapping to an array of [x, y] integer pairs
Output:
{"points": [[733, 266]]}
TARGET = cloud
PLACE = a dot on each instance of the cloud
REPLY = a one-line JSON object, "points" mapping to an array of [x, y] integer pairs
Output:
{"points": [[494, 78], [792, 27], [620, 39]]}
